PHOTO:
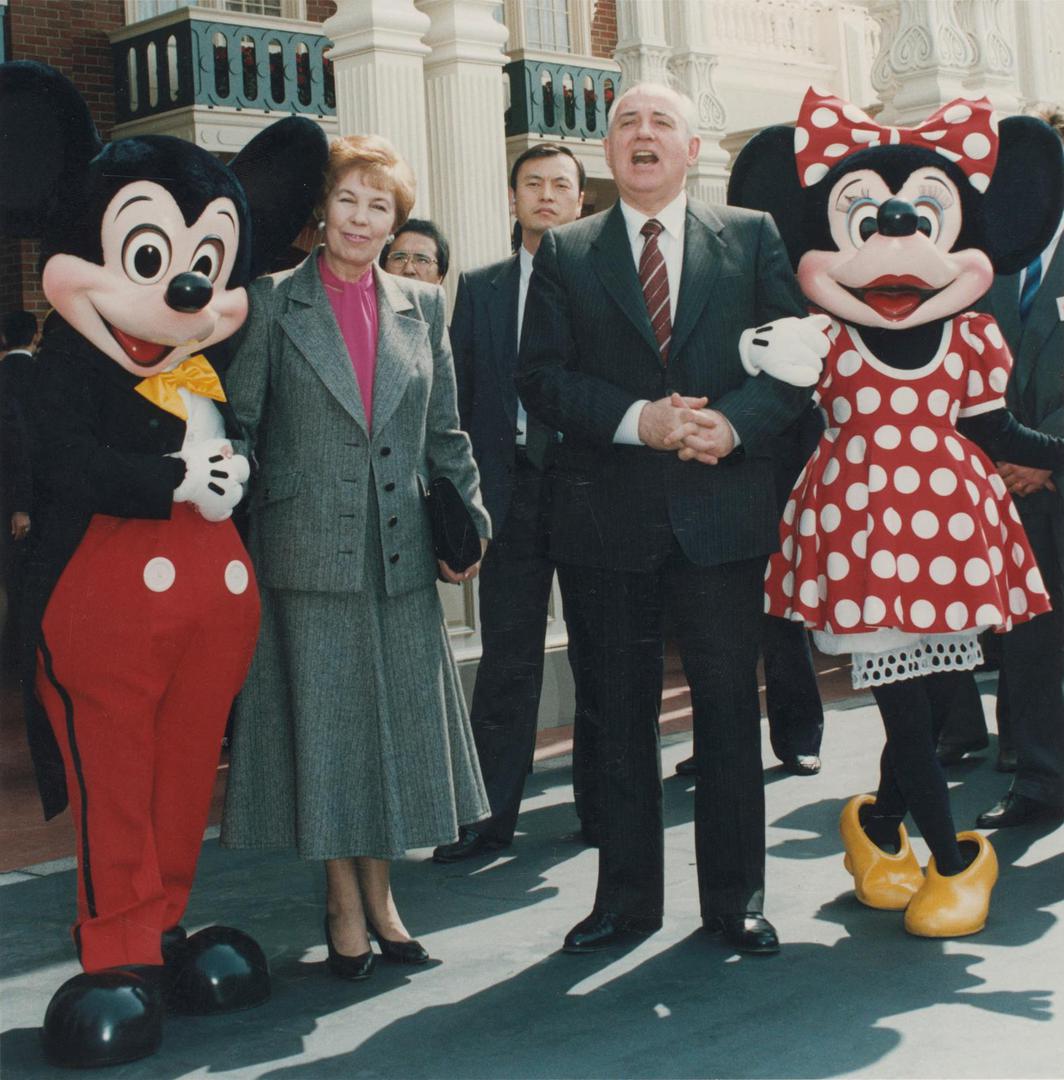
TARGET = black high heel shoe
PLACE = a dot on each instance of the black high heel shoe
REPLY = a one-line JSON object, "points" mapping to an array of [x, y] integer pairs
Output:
{"points": [[399, 952], [352, 968]]}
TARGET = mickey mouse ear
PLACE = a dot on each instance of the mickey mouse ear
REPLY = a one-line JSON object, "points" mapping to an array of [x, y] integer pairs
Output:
{"points": [[47, 139]]}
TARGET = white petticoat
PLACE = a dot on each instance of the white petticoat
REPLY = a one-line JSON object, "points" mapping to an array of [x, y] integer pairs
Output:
{"points": [[886, 656]]}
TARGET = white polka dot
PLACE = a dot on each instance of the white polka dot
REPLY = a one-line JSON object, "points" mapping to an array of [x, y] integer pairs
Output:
{"points": [[943, 481], [908, 568], [838, 566], [892, 520], [888, 437], [840, 410], [859, 543], [991, 511], [767, 606], [883, 564], [987, 615], [1014, 513], [975, 383], [857, 496], [954, 412], [831, 434], [831, 471], [998, 379], [980, 181], [830, 517], [236, 577], [877, 478], [976, 145], [976, 572], [992, 333], [957, 114], [957, 615], [847, 613], [997, 561], [922, 613], [904, 400], [1017, 601], [788, 511], [899, 609], [954, 365], [836, 149], [1019, 556], [954, 447], [925, 524], [943, 570], [923, 438], [801, 139], [961, 526], [853, 113], [787, 584], [855, 450], [1034, 582], [997, 485], [822, 586], [787, 547], [874, 610], [977, 465], [938, 402], [848, 362], [807, 593], [824, 117], [807, 522], [159, 574], [868, 399], [815, 173], [906, 479], [974, 494]]}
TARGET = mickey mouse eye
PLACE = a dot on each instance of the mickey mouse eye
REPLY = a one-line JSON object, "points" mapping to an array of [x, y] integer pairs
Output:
{"points": [[929, 214], [208, 258], [861, 221], [146, 255]]}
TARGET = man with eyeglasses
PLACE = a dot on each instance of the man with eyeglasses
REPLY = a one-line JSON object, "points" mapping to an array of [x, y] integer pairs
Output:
{"points": [[420, 251], [515, 455]]}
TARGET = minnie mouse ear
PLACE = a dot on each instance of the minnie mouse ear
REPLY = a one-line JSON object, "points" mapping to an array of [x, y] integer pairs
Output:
{"points": [[47, 139], [282, 171]]}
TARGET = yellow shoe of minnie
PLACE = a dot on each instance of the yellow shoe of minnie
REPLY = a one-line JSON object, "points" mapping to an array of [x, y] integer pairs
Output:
{"points": [[880, 879], [958, 905]]}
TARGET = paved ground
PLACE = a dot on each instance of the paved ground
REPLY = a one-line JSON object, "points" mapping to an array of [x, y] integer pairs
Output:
{"points": [[850, 995]]}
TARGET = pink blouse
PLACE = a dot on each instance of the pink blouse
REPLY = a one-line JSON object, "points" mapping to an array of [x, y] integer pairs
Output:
{"points": [[354, 304]]}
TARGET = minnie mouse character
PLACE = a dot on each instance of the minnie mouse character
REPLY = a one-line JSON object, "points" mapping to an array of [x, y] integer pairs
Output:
{"points": [[899, 543], [143, 593]]}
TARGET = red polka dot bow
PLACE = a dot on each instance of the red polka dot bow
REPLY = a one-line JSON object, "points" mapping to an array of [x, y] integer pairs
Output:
{"points": [[829, 129]]}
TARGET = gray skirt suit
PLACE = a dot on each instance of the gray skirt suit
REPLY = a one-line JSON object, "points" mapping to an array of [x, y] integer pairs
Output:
{"points": [[351, 735]]}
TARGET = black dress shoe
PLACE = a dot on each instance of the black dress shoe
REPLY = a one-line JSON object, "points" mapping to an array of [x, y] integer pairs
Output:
{"points": [[601, 929], [400, 952], [954, 753], [749, 932], [1006, 760], [687, 767], [469, 844], [1016, 809], [352, 968], [802, 765]]}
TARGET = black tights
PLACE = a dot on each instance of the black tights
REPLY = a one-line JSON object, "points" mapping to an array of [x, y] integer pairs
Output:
{"points": [[910, 777]]}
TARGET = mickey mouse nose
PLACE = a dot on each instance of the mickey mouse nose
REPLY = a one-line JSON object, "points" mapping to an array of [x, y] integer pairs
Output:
{"points": [[189, 292], [896, 217]]}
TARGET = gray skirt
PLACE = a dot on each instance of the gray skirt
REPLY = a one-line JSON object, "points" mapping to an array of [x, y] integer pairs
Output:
{"points": [[351, 735]]}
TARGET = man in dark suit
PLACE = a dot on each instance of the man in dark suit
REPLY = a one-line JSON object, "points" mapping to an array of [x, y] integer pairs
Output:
{"points": [[1029, 308], [515, 455], [666, 507]]}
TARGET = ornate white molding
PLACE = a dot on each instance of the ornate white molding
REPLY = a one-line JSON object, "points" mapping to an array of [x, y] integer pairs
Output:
{"points": [[692, 73], [642, 51]]}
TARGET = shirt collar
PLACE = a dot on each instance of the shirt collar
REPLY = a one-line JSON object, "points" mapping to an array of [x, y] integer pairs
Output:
{"points": [[671, 218]]}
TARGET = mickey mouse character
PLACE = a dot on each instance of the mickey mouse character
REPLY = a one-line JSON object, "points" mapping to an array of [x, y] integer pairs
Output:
{"points": [[145, 597], [899, 543]]}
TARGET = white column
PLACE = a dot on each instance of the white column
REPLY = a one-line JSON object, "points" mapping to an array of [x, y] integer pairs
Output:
{"points": [[993, 29], [464, 94], [378, 60], [642, 49]]}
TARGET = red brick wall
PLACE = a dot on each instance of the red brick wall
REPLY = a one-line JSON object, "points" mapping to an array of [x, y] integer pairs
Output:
{"points": [[320, 10], [604, 28]]}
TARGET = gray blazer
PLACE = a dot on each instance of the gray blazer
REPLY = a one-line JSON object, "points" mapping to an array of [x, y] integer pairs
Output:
{"points": [[293, 386]]}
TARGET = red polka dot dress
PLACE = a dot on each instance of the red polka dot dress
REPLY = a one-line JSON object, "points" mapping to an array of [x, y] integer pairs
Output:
{"points": [[899, 541]]}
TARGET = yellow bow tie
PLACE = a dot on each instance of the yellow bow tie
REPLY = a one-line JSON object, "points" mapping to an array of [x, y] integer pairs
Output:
{"points": [[195, 374]]}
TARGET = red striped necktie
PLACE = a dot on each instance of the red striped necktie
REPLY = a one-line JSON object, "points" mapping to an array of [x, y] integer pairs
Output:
{"points": [[655, 281]]}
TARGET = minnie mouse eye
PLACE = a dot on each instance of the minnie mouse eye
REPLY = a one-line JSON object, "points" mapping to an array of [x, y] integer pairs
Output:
{"points": [[208, 258], [929, 213], [146, 255], [862, 221]]}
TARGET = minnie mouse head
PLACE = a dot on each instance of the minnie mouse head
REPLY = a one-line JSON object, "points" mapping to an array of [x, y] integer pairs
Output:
{"points": [[895, 228]]}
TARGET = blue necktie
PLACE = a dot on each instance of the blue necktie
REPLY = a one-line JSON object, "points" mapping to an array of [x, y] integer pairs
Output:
{"points": [[1031, 280]]}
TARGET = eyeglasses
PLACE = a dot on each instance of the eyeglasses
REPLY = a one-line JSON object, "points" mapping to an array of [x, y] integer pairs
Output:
{"points": [[401, 258]]}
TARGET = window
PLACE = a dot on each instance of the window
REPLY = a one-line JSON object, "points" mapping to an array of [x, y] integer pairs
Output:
{"points": [[547, 25], [139, 10]]}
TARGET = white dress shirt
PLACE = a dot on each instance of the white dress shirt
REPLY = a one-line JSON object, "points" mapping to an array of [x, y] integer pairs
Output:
{"points": [[524, 257]]}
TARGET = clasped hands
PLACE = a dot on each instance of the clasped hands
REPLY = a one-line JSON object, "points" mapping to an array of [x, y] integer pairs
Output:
{"points": [[687, 426]]}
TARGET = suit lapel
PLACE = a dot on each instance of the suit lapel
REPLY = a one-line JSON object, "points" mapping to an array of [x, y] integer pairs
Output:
{"points": [[398, 339], [505, 287], [702, 257], [311, 327], [1043, 318], [611, 257]]}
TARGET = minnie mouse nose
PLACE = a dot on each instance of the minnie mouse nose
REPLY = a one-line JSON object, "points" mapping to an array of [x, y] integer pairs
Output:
{"points": [[896, 217], [189, 292]]}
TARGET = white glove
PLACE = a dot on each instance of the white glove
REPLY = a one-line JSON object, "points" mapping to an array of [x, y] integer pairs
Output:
{"points": [[791, 350], [214, 477]]}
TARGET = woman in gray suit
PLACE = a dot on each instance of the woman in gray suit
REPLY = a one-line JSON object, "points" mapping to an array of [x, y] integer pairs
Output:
{"points": [[351, 739]]}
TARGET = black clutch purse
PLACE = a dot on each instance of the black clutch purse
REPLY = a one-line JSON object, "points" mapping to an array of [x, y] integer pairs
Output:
{"points": [[454, 533]]}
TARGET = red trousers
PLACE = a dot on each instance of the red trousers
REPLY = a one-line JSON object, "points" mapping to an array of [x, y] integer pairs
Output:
{"points": [[146, 640]]}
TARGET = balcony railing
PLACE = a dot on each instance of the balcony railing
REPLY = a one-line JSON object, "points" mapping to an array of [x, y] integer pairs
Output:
{"points": [[564, 100], [191, 57]]}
